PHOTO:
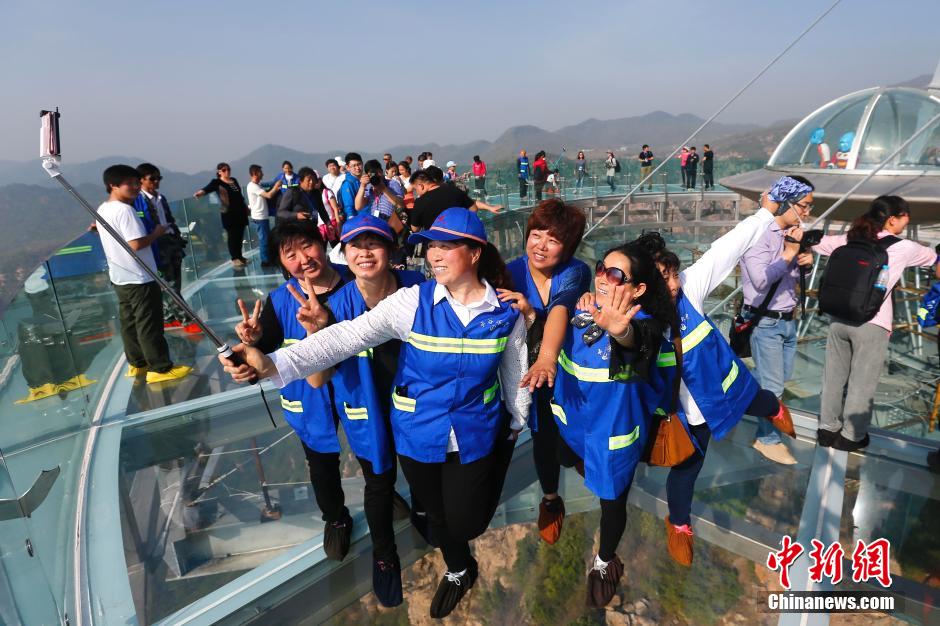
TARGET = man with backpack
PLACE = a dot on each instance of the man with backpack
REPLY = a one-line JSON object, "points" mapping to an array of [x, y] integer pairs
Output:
{"points": [[863, 267], [770, 271], [613, 167]]}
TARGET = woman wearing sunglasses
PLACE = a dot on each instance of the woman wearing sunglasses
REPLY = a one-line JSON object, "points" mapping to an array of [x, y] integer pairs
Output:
{"points": [[549, 281], [602, 400], [463, 352]]}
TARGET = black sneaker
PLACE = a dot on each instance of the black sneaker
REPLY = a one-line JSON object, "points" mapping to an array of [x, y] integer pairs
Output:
{"points": [[336, 537], [933, 461], [386, 581], [419, 519], [841, 443], [602, 581], [400, 508], [452, 589], [825, 438]]}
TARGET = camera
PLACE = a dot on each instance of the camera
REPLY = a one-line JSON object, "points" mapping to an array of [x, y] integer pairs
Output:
{"points": [[810, 238]]}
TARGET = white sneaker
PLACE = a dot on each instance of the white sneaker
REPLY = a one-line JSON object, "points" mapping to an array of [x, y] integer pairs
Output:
{"points": [[778, 452]]}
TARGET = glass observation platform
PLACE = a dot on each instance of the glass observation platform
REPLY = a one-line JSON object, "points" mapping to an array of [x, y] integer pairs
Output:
{"points": [[127, 503]]}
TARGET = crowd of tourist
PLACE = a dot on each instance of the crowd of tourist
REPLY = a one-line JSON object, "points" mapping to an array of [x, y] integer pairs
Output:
{"points": [[438, 372]]}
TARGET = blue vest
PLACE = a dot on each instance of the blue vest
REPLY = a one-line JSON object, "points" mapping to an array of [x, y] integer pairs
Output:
{"points": [[927, 309], [717, 379], [447, 377], [522, 281], [604, 421], [523, 164], [309, 411], [357, 403]]}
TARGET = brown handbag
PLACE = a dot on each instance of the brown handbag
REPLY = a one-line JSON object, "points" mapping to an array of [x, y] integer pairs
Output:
{"points": [[669, 443]]}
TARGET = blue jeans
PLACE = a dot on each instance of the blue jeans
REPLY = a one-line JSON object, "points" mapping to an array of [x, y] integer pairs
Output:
{"points": [[610, 181], [773, 346], [263, 228]]}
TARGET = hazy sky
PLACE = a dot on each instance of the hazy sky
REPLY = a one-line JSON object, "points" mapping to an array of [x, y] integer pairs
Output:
{"points": [[188, 83]]}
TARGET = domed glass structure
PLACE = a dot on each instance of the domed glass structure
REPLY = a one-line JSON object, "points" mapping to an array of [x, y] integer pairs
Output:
{"points": [[858, 131]]}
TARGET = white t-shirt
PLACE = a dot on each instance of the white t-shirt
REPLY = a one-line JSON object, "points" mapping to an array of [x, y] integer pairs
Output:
{"points": [[122, 267], [333, 182], [257, 203]]}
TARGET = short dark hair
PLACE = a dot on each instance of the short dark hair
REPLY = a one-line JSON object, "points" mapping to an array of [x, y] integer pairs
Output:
{"points": [[373, 166], [254, 169], [117, 175], [421, 176], [148, 169], [430, 156], [332, 162], [287, 163], [353, 156], [436, 173], [288, 233], [645, 146], [392, 164], [692, 148], [707, 147], [305, 172], [476, 158], [422, 156], [387, 154], [563, 222]]}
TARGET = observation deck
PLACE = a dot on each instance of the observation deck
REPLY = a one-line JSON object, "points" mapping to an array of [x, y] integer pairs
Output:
{"points": [[154, 510]]}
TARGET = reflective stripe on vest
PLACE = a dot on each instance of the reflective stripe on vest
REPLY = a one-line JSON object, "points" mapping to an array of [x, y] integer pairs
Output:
{"points": [[356, 413], [666, 359], [730, 378], [402, 403], [559, 413], [490, 394], [622, 441], [921, 313], [696, 336], [366, 354], [591, 374], [289, 342], [457, 345], [294, 406]]}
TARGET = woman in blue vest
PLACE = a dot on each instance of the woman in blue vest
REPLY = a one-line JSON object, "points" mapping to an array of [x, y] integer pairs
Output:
{"points": [[464, 351], [603, 399], [300, 251], [549, 280], [362, 387], [716, 389]]}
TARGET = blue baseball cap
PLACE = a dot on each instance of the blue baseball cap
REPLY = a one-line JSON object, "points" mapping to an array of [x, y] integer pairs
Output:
{"points": [[453, 224], [365, 223]]}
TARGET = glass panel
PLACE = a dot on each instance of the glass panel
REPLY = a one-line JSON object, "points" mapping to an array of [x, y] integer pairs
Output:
{"points": [[808, 147], [25, 594], [895, 118]]}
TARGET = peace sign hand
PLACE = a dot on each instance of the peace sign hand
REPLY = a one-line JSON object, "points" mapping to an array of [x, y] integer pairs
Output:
{"points": [[616, 316], [249, 329], [311, 314]]}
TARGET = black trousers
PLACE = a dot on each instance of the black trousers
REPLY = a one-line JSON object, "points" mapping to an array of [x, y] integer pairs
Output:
{"points": [[457, 498], [545, 442], [708, 178], [140, 312], [690, 178], [378, 496], [538, 191], [523, 188], [234, 235]]}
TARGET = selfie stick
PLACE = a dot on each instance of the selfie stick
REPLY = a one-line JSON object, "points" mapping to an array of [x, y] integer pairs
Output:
{"points": [[50, 153]]}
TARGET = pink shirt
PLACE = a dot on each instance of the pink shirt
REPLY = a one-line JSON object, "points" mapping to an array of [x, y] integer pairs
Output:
{"points": [[901, 255], [479, 169]]}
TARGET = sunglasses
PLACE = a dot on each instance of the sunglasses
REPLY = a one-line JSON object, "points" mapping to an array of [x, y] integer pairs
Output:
{"points": [[614, 275], [593, 332]]}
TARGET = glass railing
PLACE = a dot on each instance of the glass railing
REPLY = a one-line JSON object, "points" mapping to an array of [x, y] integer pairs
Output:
{"points": [[199, 462]]}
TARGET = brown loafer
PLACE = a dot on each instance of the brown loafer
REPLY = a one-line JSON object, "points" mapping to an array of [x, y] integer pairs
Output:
{"points": [[679, 542], [551, 516], [783, 421]]}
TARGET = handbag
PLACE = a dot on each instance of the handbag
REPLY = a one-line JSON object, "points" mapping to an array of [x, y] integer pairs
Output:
{"points": [[739, 336], [669, 443]]}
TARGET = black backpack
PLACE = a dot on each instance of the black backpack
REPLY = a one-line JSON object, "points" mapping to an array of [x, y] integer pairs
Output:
{"points": [[617, 165], [847, 290]]}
